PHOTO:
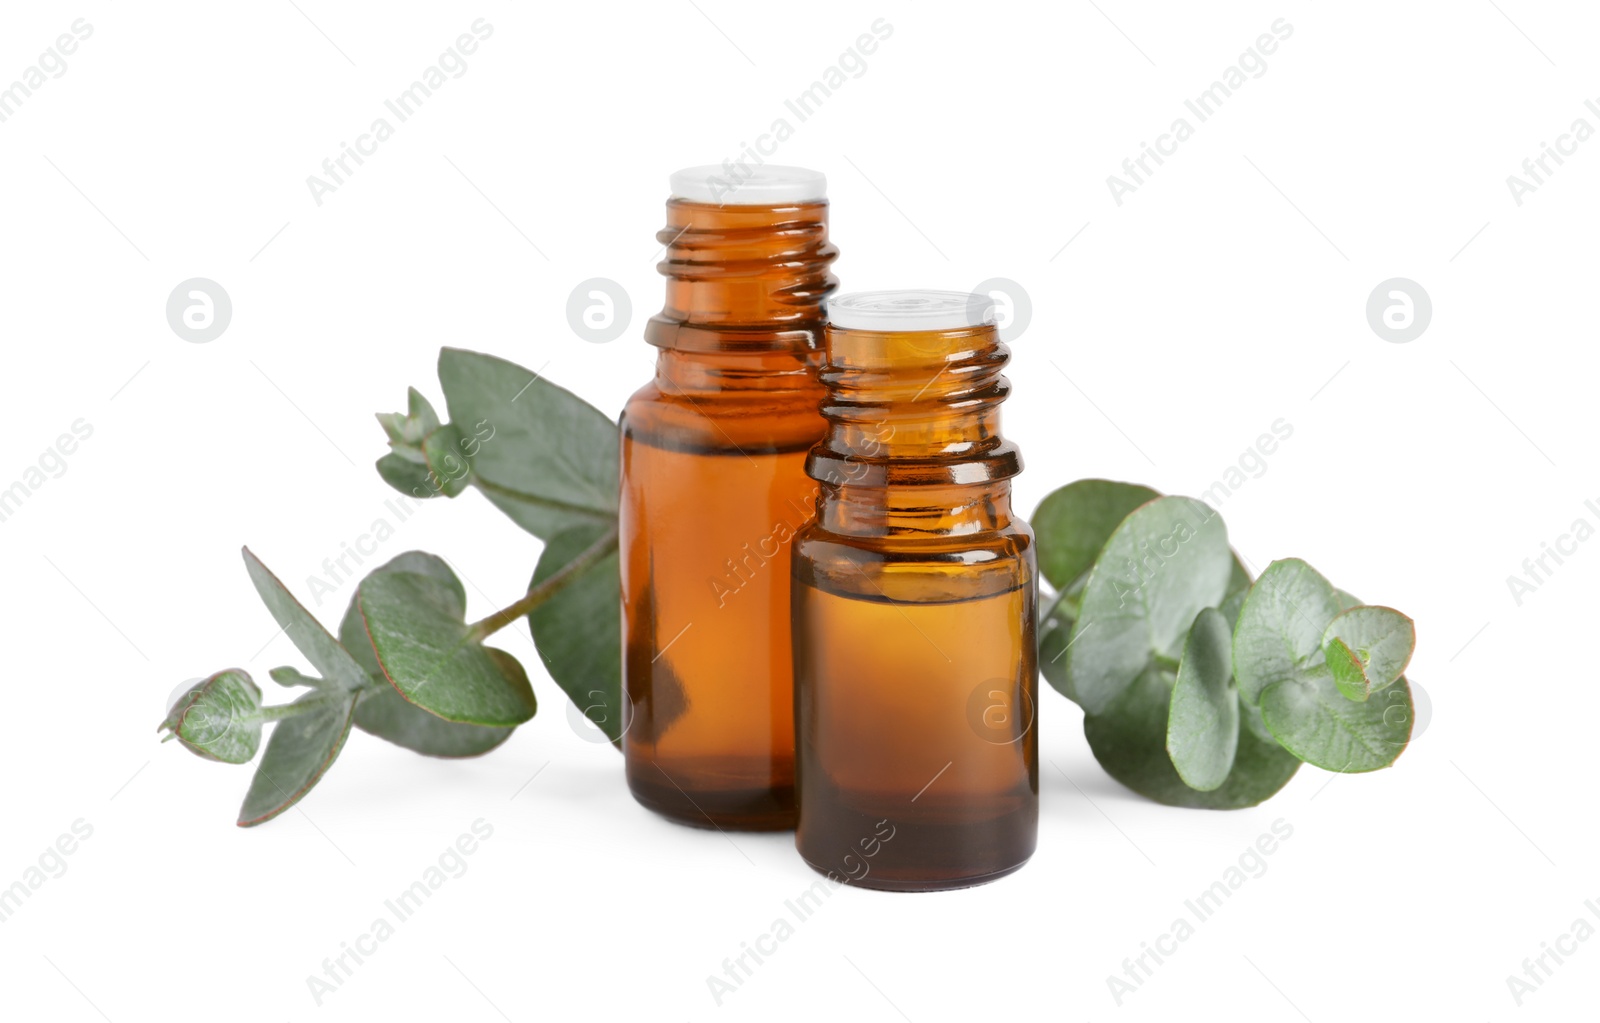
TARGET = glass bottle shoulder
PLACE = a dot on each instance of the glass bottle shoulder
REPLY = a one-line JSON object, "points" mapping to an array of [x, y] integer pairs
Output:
{"points": [[914, 566]]}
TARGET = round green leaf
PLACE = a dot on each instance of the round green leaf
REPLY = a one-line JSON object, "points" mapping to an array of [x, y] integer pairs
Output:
{"points": [[1129, 741], [1203, 723], [407, 475], [1279, 634], [383, 712], [1315, 722], [1055, 633], [424, 647], [579, 630], [218, 718], [1162, 565], [1072, 524], [1367, 648]]}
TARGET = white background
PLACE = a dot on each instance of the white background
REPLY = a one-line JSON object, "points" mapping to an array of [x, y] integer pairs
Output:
{"points": [[1226, 292]]}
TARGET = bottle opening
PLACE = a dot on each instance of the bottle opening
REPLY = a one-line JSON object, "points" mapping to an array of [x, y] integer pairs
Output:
{"points": [[908, 311], [766, 185]]}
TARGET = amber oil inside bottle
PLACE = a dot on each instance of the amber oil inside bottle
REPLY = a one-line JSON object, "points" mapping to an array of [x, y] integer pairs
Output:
{"points": [[914, 603], [714, 490]]}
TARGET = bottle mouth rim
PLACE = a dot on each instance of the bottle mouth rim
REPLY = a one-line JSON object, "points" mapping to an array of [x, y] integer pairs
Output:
{"points": [[764, 185], [910, 311]]}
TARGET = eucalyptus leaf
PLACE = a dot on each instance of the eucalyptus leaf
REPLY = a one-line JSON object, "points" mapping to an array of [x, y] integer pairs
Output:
{"points": [[1072, 524], [421, 418], [1162, 565], [1279, 634], [1055, 634], [289, 678], [408, 429], [304, 631], [424, 647], [418, 563], [1203, 721], [1239, 577], [1129, 741], [1315, 722], [218, 718], [1348, 674], [406, 466], [542, 455], [444, 450], [1232, 605], [383, 712], [299, 752], [1367, 649], [410, 476], [579, 630]]}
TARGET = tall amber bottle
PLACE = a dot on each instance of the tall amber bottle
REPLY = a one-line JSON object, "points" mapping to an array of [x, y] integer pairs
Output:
{"points": [[714, 490], [914, 602]]}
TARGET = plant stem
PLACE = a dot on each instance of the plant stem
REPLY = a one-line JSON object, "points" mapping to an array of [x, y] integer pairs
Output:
{"points": [[303, 706], [595, 552]]}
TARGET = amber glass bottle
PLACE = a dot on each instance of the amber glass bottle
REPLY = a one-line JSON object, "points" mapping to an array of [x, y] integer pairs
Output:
{"points": [[714, 490], [914, 601]]}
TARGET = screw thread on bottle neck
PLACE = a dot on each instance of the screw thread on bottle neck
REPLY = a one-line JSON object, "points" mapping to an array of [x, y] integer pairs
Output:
{"points": [[744, 278]]}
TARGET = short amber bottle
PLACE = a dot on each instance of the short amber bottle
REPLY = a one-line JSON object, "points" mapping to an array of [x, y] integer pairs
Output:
{"points": [[914, 603], [713, 491]]}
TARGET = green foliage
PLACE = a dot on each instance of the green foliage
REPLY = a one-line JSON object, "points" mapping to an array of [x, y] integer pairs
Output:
{"points": [[1321, 726], [1279, 635], [1162, 565], [579, 633], [1129, 740], [1081, 516], [417, 626], [1203, 724], [383, 712], [1200, 687], [408, 666], [305, 632], [1367, 649], [545, 457], [301, 750], [218, 718]]}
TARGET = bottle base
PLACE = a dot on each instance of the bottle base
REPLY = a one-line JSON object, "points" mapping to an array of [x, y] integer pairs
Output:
{"points": [[765, 808], [881, 882]]}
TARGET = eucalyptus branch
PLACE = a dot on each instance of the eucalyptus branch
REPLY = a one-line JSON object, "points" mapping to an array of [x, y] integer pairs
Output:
{"points": [[537, 595]]}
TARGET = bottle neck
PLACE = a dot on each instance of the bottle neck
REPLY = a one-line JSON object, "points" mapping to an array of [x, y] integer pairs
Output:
{"points": [[744, 279], [778, 374], [914, 443]]}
